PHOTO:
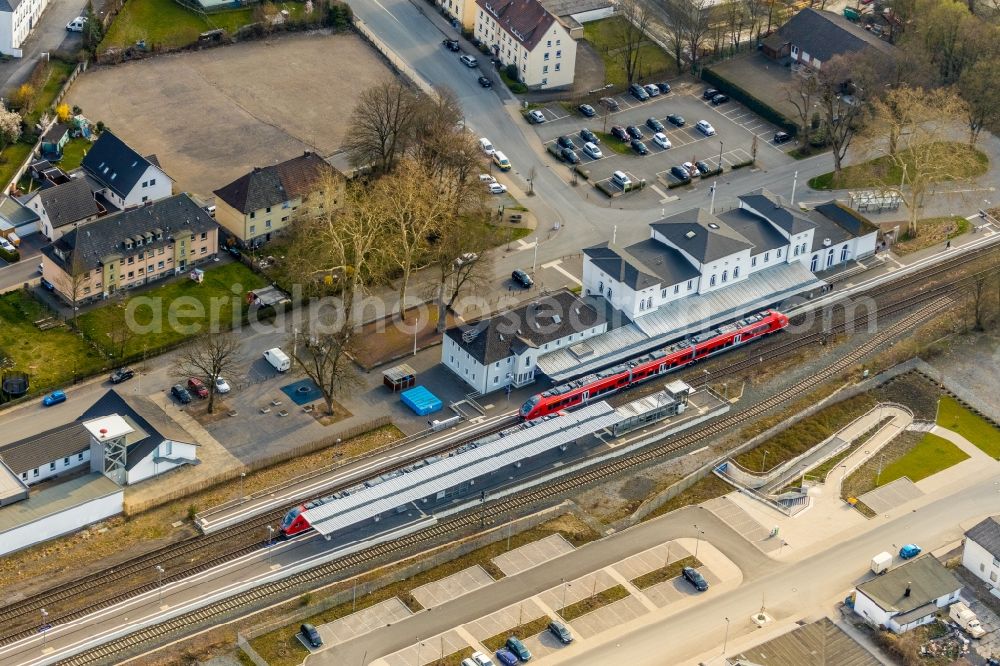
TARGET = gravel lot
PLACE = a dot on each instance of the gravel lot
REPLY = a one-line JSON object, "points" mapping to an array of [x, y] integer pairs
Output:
{"points": [[972, 361]]}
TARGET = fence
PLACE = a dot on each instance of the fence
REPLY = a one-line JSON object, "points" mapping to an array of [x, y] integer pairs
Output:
{"points": [[401, 67]]}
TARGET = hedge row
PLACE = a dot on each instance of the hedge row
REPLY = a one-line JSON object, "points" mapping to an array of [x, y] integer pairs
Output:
{"points": [[763, 109], [8, 256]]}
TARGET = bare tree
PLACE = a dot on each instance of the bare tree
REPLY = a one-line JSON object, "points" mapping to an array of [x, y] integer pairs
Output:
{"points": [[324, 358], [674, 30], [978, 298], [697, 26], [980, 89], [630, 33], [78, 277], [845, 84], [209, 357], [382, 125], [803, 93], [461, 264], [119, 332]]}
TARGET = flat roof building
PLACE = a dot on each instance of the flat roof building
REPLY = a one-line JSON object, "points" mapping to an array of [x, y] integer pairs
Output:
{"points": [[908, 596]]}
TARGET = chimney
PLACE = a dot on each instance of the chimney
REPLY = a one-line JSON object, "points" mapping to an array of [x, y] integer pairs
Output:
{"points": [[907, 593]]}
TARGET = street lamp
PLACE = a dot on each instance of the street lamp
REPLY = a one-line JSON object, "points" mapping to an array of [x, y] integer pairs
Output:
{"points": [[270, 537], [419, 645], [45, 627], [763, 463], [159, 584], [697, 540], [243, 475], [725, 641], [720, 156], [565, 585]]}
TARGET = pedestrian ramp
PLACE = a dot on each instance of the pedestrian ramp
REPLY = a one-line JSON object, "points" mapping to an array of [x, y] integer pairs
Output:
{"points": [[741, 521], [891, 495]]}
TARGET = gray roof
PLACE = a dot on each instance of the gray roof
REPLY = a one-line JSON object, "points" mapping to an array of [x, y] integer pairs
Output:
{"points": [[527, 21], [642, 265], [820, 643], [55, 498], [837, 223], [928, 580], [15, 212], [987, 534], [570, 7], [146, 415], [272, 185], [761, 234], [69, 202], [770, 206], [545, 319], [32, 452], [55, 133], [824, 35], [114, 164], [701, 235]]}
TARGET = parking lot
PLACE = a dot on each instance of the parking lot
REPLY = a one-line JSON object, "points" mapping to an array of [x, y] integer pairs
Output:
{"points": [[733, 143]]}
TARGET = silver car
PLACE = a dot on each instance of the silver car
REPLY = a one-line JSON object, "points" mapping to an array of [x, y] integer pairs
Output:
{"points": [[592, 150]]}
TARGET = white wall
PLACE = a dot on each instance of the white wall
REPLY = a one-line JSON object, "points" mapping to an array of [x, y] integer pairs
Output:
{"points": [[462, 364], [160, 189], [163, 459], [594, 14], [534, 69], [61, 523], [980, 562], [39, 474], [737, 265], [869, 610]]}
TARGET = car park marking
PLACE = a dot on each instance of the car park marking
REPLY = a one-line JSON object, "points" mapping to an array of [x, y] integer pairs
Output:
{"points": [[663, 195], [547, 112], [524, 245], [556, 265]]}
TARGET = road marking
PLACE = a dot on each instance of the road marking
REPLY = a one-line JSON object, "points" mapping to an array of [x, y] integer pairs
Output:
{"points": [[522, 245], [663, 195], [556, 265], [386, 11]]}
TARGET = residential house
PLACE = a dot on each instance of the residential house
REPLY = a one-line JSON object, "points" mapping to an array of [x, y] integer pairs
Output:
{"points": [[981, 552], [502, 350], [819, 643], [17, 18], [908, 596], [261, 203], [812, 37], [16, 217], [130, 248], [62, 206], [525, 34], [123, 176]]}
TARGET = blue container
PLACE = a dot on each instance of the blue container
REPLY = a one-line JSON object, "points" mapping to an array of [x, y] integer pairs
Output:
{"points": [[421, 401]]}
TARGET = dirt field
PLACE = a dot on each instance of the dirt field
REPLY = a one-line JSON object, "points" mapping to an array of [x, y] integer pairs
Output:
{"points": [[210, 116]]}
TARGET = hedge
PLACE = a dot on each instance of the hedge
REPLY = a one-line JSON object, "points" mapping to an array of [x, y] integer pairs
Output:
{"points": [[763, 109], [8, 256], [583, 173], [605, 186], [740, 165]]}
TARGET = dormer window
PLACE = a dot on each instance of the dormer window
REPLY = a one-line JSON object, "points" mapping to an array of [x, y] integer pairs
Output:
{"points": [[128, 243]]}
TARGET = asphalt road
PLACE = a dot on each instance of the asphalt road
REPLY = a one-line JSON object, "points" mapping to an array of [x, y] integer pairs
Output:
{"points": [[49, 34]]}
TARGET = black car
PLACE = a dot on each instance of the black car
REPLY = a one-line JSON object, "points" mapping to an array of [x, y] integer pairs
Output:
{"points": [[654, 124], [522, 278], [620, 133], [485, 82], [638, 92], [675, 119], [451, 44], [709, 93], [782, 137], [587, 110], [611, 103], [720, 99], [180, 393], [569, 155], [588, 136], [310, 635], [703, 167], [680, 173], [559, 630], [664, 88], [47, 285], [639, 147], [634, 132], [122, 374], [565, 142], [695, 578]]}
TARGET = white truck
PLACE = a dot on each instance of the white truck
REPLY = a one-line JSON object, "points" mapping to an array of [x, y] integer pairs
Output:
{"points": [[965, 618], [278, 359], [881, 563]]}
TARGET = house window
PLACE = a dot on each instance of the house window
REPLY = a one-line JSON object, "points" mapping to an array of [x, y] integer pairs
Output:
{"points": [[559, 54], [829, 258], [796, 250], [778, 253], [267, 225], [711, 283], [204, 250], [600, 287], [66, 462], [52, 466], [663, 293], [145, 183], [546, 58], [284, 219], [690, 284], [24, 476], [548, 43], [812, 264], [79, 456], [160, 251], [131, 260], [253, 215], [131, 274], [843, 254], [160, 265], [152, 181], [993, 576], [545, 69], [149, 269], [767, 257], [253, 229], [558, 64], [753, 261], [677, 289], [34, 472], [725, 276], [268, 209], [204, 235], [545, 82]]}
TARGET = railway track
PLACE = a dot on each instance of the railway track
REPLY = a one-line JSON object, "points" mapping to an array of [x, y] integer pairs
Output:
{"points": [[113, 650]]}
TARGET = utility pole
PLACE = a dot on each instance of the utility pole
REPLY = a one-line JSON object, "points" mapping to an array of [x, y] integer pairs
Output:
{"points": [[711, 207], [795, 182], [534, 259], [45, 626], [270, 539], [243, 475], [159, 584], [725, 641]]}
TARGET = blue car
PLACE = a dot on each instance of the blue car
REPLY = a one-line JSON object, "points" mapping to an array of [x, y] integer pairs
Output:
{"points": [[909, 551], [54, 398], [506, 657]]}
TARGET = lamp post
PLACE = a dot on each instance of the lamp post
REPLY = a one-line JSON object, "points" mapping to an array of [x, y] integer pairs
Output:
{"points": [[720, 156], [159, 584], [763, 464], [243, 475], [45, 627], [725, 641], [270, 541], [565, 586], [697, 540], [419, 645]]}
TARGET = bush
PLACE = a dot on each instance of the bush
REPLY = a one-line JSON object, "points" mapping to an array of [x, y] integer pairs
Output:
{"points": [[511, 71], [8, 256], [101, 126], [766, 111], [740, 165], [677, 183], [583, 173]]}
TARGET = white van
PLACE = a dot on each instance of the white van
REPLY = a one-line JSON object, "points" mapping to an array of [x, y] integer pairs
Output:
{"points": [[619, 178], [278, 359], [77, 24], [501, 161], [486, 146]]}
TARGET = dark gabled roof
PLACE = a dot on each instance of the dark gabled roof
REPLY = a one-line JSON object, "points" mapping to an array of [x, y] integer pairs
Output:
{"points": [[531, 325], [851, 221], [820, 643], [146, 415], [526, 21], [105, 236], [31, 452], [611, 261], [770, 206], [662, 262], [69, 202], [272, 185], [759, 232], [701, 235], [824, 35], [928, 580], [55, 133], [114, 164], [987, 534]]}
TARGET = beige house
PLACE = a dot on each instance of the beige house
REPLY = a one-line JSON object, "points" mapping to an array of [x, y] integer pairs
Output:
{"points": [[464, 11], [130, 249], [525, 34], [260, 204]]}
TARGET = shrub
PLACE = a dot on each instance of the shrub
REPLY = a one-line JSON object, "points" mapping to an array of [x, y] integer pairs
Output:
{"points": [[101, 126], [23, 98], [512, 71], [583, 173], [740, 165], [763, 109], [677, 183], [8, 256]]}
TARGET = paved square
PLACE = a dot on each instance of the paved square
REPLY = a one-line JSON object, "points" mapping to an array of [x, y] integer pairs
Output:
{"points": [[891, 495], [374, 617], [650, 560], [428, 651], [572, 591], [677, 588], [741, 521], [504, 619], [532, 554], [608, 617], [465, 581]]}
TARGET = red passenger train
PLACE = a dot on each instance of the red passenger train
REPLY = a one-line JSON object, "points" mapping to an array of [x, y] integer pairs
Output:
{"points": [[605, 382]]}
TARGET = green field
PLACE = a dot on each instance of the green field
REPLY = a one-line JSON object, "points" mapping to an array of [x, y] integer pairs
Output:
{"points": [[953, 416], [931, 455], [161, 303], [882, 170], [603, 36]]}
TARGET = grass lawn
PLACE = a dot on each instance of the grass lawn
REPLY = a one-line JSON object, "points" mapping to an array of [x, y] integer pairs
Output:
{"points": [[608, 141], [11, 158], [953, 416], [59, 71], [161, 301], [669, 572], [931, 231], [882, 170], [701, 491], [51, 357], [590, 604], [73, 153], [931, 454], [603, 36]]}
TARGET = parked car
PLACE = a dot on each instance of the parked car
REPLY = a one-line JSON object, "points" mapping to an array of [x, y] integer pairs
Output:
{"points": [[676, 119], [620, 133], [611, 103], [782, 137], [451, 44], [54, 398], [661, 140], [486, 179], [47, 285], [634, 132], [506, 657], [469, 61], [709, 93], [639, 147], [6, 244], [705, 128], [587, 110], [559, 630], [565, 142], [197, 387], [680, 173], [703, 167], [77, 24], [652, 90], [569, 155], [589, 136], [310, 635], [664, 87], [592, 150], [720, 99], [909, 551], [515, 645], [694, 577], [497, 188], [536, 116], [180, 393], [522, 278], [654, 124], [221, 385], [691, 169], [486, 146], [122, 374], [481, 659], [485, 82], [638, 92]]}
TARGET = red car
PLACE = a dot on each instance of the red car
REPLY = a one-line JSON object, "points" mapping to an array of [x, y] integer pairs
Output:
{"points": [[197, 387]]}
